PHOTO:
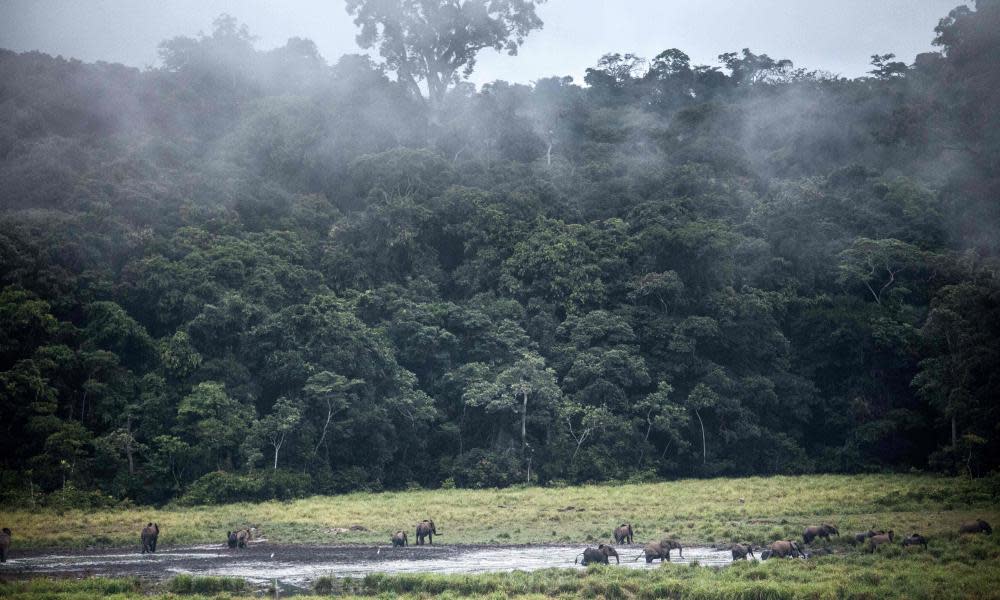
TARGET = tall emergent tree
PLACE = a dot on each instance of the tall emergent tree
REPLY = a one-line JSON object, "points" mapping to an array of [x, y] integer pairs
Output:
{"points": [[437, 40]]}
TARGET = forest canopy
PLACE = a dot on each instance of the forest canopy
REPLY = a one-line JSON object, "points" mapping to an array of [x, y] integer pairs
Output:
{"points": [[251, 273]]}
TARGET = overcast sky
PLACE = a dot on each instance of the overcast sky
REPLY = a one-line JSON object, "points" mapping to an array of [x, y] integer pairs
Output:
{"points": [[833, 35]]}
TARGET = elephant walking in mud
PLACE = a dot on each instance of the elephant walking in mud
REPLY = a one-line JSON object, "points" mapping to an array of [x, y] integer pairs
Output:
{"points": [[231, 539], [148, 537], [740, 551], [623, 534], [824, 531], [426, 529], [661, 550], [4, 543], [598, 555], [782, 549], [977, 526], [398, 538]]}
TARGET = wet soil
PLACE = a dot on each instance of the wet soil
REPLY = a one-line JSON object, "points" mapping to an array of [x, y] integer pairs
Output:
{"points": [[299, 565]]}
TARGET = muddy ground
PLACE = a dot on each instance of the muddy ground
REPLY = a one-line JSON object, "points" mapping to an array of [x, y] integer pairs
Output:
{"points": [[298, 565]]}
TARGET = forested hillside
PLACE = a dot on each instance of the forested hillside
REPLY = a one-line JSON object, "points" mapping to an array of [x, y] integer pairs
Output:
{"points": [[250, 273]]}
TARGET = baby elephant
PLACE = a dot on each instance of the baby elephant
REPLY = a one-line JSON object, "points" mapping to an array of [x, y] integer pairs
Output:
{"points": [[598, 555], [916, 540], [398, 538], [624, 534], [881, 539], [977, 526], [824, 531], [740, 551], [231, 539], [148, 537], [4, 543]]}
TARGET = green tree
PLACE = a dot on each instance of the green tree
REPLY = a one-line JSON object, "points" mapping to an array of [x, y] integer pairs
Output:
{"points": [[436, 41]]}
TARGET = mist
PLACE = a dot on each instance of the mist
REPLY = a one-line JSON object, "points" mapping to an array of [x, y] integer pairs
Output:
{"points": [[253, 256]]}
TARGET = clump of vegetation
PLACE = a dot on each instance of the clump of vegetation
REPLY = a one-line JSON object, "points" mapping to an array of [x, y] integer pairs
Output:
{"points": [[197, 584], [248, 260]]}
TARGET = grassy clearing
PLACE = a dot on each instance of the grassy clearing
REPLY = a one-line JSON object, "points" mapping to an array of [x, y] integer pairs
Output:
{"points": [[695, 511]]}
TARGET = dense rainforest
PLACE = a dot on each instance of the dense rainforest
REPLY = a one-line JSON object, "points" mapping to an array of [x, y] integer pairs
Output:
{"points": [[250, 273]]}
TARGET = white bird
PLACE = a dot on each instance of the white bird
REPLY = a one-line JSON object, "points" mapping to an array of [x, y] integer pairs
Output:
{"points": [[272, 555]]}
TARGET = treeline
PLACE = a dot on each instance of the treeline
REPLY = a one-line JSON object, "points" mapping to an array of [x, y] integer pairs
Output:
{"points": [[249, 273]]}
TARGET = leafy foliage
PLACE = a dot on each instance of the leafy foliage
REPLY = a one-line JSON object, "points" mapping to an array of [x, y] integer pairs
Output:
{"points": [[252, 261]]}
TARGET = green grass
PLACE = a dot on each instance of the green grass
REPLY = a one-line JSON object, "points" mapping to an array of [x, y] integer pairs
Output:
{"points": [[695, 511]]}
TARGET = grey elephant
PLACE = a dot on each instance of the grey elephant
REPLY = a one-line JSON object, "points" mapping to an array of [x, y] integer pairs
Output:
{"points": [[661, 550], [879, 540], [977, 526], [740, 551], [782, 549], [4, 543], [916, 540], [624, 534], [148, 537], [399, 538], [243, 537], [426, 529], [231, 539], [860, 538], [824, 531], [598, 555]]}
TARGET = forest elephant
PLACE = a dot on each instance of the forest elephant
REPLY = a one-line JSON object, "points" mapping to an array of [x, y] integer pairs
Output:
{"points": [[148, 537], [660, 550], [782, 549], [231, 539], [598, 555], [243, 537], [915, 540], [879, 540], [977, 526], [860, 538], [824, 531], [624, 534], [4, 543], [740, 551], [399, 538], [426, 529]]}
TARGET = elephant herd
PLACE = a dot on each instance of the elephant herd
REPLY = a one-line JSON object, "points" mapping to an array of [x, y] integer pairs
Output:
{"points": [[425, 529], [871, 539]]}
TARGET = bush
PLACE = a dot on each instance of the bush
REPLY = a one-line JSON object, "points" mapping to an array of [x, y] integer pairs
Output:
{"points": [[191, 584], [483, 469], [70, 497], [222, 488]]}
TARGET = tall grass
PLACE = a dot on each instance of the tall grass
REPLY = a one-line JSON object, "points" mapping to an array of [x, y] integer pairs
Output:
{"points": [[696, 511]]}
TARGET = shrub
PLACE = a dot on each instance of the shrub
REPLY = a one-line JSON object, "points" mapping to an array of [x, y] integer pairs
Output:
{"points": [[483, 468], [191, 584], [221, 488], [70, 497]]}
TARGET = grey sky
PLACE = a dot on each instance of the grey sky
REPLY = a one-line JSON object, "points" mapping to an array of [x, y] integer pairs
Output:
{"points": [[833, 35]]}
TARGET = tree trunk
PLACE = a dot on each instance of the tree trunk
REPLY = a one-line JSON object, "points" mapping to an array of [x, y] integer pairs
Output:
{"points": [[329, 416], [704, 450], [954, 432], [524, 421], [128, 446]]}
